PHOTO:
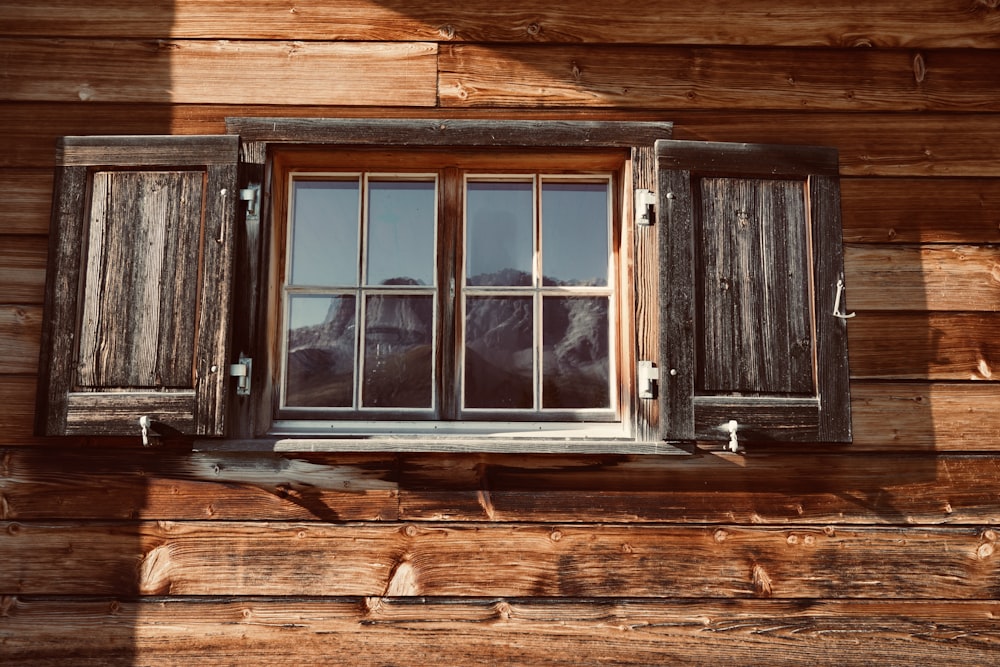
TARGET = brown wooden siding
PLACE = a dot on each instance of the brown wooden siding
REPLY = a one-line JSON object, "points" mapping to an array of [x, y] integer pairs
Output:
{"points": [[879, 552]]}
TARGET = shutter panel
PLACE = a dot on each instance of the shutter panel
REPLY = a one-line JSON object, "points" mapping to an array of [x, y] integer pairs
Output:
{"points": [[751, 255], [139, 286]]}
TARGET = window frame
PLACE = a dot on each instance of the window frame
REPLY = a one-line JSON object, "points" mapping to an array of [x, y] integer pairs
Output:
{"points": [[456, 163]]}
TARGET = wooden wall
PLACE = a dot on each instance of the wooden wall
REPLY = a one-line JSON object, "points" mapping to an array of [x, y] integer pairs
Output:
{"points": [[882, 552]]}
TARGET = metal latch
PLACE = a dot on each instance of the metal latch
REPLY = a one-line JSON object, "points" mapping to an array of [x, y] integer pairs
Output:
{"points": [[645, 207], [251, 195], [648, 375], [241, 372]]}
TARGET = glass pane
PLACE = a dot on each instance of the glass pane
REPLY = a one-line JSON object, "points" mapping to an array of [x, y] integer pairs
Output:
{"points": [[320, 362], [575, 355], [575, 233], [499, 360], [498, 246], [399, 355], [401, 219], [325, 233]]}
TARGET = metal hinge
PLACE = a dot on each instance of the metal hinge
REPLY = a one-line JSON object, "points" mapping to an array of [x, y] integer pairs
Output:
{"points": [[647, 375], [645, 207], [251, 195], [241, 372]]}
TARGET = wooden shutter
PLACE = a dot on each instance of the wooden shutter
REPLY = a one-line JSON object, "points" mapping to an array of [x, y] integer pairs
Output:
{"points": [[751, 257], [139, 286]]}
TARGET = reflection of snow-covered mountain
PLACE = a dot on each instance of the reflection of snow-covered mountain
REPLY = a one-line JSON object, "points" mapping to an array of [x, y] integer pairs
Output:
{"points": [[499, 336]]}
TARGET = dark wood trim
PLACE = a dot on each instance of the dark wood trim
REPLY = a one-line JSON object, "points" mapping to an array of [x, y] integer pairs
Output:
{"points": [[406, 133]]}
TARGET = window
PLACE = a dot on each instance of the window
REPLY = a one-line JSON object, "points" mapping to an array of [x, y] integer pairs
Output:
{"points": [[571, 286], [462, 293]]}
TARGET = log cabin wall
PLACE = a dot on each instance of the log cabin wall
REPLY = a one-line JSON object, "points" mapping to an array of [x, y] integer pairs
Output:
{"points": [[881, 552]]}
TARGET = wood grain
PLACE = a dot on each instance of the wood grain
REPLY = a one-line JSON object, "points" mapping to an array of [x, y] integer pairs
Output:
{"points": [[922, 278], [643, 77], [22, 269], [20, 331], [167, 484], [221, 72], [925, 417], [28, 196], [797, 488], [870, 144], [584, 632], [938, 24], [442, 559], [920, 210], [936, 345]]}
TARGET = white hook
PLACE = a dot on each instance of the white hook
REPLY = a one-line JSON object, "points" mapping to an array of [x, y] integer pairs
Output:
{"points": [[734, 443], [144, 426], [836, 303]]}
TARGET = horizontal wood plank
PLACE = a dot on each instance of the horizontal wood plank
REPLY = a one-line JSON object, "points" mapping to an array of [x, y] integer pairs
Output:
{"points": [[790, 488], [22, 269], [935, 345], [40, 483], [925, 417], [920, 210], [488, 560], [938, 24], [870, 144], [595, 76], [495, 631], [921, 278], [219, 72], [20, 332], [28, 197]]}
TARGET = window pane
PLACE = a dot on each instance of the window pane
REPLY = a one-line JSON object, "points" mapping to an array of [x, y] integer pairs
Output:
{"points": [[325, 233], [575, 353], [499, 360], [575, 233], [320, 363], [498, 233], [399, 358], [401, 220]]}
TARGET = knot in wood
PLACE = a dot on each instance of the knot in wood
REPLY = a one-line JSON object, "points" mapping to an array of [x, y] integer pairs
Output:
{"points": [[555, 535], [534, 29], [447, 31], [720, 535]]}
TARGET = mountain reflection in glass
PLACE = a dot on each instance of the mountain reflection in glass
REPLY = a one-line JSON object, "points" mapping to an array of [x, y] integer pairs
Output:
{"points": [[320, 358], [325, 232], [400, 243], [499, 358], [575, 233], [499, 224], [398, 365], [576, 357]]}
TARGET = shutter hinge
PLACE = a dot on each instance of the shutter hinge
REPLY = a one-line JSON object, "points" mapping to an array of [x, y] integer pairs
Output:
{"points": [[241, 372], [645, 207], [647, 376], [251, 195]]}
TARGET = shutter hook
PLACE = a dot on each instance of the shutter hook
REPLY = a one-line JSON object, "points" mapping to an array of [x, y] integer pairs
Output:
{"points": [[144, 424], [734, 443], [836, 303]]}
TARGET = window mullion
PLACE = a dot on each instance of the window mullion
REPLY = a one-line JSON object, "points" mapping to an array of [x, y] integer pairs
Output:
{"points": [[449, 263]]}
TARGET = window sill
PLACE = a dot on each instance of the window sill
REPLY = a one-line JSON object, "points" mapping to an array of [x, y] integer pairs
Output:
{"points": [[418, 443]]}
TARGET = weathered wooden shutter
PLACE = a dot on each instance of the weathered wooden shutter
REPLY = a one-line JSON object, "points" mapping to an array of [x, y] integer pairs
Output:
{"points": [[751, 269], [139, 286]]}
